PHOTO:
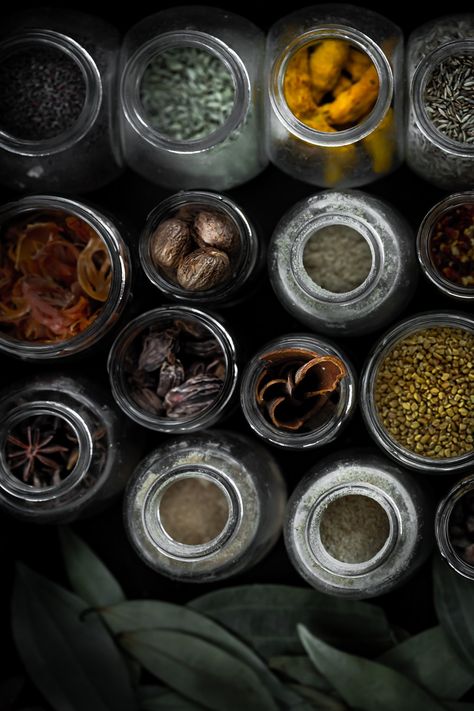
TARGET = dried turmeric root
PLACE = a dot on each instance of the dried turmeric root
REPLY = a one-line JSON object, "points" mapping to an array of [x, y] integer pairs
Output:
{"points": [[357, 64], [297, 85], [319, 122], [326, 63], [339, 162], [342, 84], [356, 102], [380, 144]]}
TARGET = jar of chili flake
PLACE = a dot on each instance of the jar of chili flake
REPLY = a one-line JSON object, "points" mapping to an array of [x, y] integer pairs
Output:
{"points": [[65, 277]]}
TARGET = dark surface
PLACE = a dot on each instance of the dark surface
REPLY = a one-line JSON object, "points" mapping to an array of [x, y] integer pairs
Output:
{"points": [[265, 199]]}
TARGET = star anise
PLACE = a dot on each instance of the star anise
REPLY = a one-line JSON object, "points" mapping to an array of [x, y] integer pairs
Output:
{"points": [[295, 384], [31, 451]]}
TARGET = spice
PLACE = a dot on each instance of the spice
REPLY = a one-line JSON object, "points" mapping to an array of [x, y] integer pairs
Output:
{"points": [[55, 275], [449, 98], [193, 510], [424, 392], [42, 93], [337, 258], [461, 527], [197, 248], [42, 451], [187, 93], [295, 385], [175, 370], [354, 528], [451, 245]]}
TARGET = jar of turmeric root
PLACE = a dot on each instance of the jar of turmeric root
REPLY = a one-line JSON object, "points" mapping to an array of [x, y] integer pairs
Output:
{"points": [[334, 95]]}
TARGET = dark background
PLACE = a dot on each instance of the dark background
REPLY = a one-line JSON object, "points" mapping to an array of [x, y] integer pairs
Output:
{"points": [[265, 199]]}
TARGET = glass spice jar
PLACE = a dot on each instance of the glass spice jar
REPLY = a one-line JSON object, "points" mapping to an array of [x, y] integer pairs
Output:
{"points": [[58, 112], [343, 263], [67, 275], [65, 452], [191, 98], [454, 527], [174, 369], [417, 392], [205, 506], [199, 246], [334, 104], [445, 245], [357, 525], [440, 130], [302, 421]]}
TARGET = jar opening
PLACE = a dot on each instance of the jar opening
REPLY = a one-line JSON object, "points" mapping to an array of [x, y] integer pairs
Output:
{"points": [[461, 529]]}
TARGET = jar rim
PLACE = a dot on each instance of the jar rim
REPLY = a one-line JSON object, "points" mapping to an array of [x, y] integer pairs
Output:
{"points": [[442, 519]]}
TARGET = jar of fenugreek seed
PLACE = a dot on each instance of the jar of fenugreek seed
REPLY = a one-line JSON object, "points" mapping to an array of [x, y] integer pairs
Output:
{"points": [[417, 393]]}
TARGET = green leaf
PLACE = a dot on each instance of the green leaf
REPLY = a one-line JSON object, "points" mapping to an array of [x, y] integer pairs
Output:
{"points": [[458, 705], [88, 576], [454, 602], [10, 690], [429, 660], [266, 616], [68, 654], [301, 670], [324, 701], [158, 698], [365, 684], [199, 670]]}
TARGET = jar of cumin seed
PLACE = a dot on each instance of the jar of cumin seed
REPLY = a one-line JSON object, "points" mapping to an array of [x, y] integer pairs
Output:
{"points": [[191, 98]]}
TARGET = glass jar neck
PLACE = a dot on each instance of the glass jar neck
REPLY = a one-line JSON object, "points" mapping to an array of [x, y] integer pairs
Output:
{"points": [[442, 521]]}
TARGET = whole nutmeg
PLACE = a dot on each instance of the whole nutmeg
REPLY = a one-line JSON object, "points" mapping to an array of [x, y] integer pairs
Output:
{"points": [[213, 229], [203, 269], [170, 242]]}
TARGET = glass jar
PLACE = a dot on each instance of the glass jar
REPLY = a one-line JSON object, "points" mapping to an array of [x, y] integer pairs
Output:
{"points": [[388, 281], [245, 258], [436, 146], [98, 449], [329, 421], [457, 260], [227, 520], [84, 154], [131, 383], [424, 418], [357, 525], [357, 153], [118, 282], [233, 151], [453, 527]]}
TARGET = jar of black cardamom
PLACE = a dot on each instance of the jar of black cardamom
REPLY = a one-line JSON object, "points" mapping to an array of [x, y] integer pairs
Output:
{"points": [[65, 452], [357, 525], [440, 138], [454, 527], [174, 369], [66, 280], [58, 113], [191, 98], [205, 506], [198, 246], [343, 263], [417, 392], [334, 104], [298, 391]]}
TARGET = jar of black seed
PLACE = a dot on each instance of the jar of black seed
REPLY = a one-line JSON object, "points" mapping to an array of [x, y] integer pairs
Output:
{"points": [[343, 263], [199, 246], [417, 393], [65, 452], [191, 98], [357, 525], [454, 527], [174, 369], [440, 65], [298, 392], [58, 113], [205, 506]]}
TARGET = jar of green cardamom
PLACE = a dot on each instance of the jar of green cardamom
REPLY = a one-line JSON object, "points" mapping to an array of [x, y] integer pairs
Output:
{"points": [[190, 97]]}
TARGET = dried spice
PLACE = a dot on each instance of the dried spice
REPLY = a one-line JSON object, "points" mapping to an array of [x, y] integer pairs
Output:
{"points": [[461, 528], [449, 98], [175, 370], [424, 392], [198, 248], [55, 275], [295, 385], [451, 245]]}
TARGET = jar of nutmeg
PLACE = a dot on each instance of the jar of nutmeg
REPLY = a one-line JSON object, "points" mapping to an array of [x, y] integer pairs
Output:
{"points": [[199, 246]]}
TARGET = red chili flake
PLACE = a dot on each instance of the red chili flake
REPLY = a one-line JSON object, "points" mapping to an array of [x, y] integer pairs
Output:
{"points": [[452, 245]]}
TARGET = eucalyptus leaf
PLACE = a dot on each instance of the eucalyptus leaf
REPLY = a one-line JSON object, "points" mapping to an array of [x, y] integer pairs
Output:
{"points": [[150, 691], [88, 576], [459, 705], [301, 670], [68, 654], [454, 602], [166, 700], [10, 690], [429, 660], [199, 670], [323, 702], [365, 684], [266, 616]]}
